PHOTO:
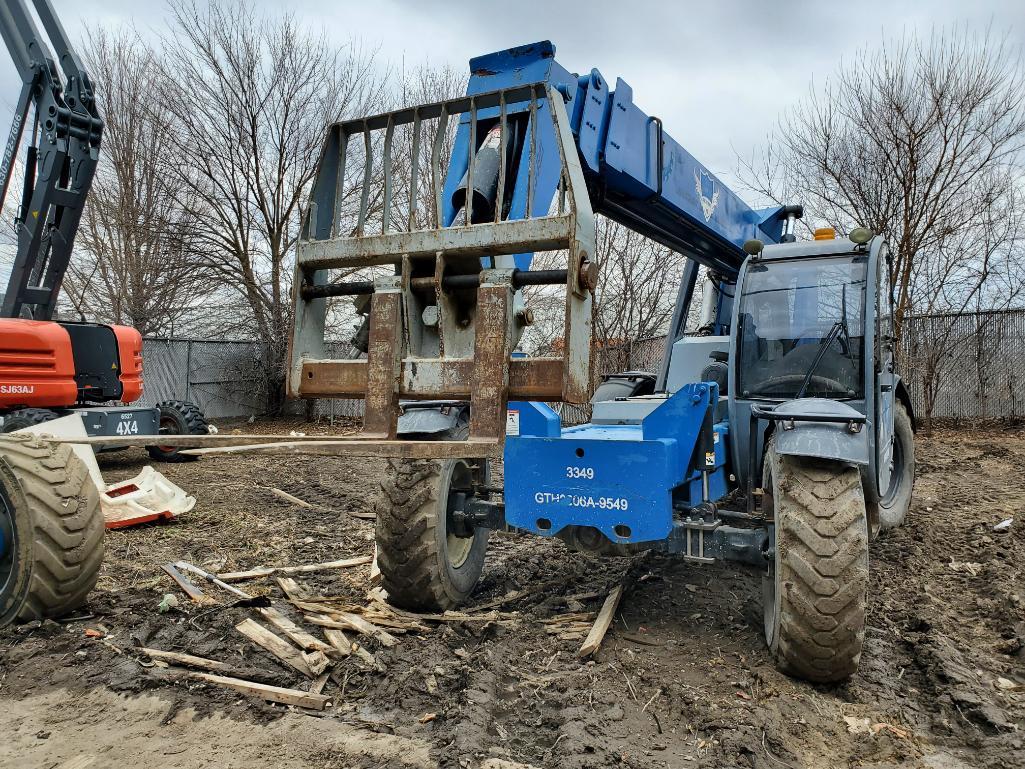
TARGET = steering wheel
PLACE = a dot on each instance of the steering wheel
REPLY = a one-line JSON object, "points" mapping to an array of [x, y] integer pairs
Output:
{"points": [[789, 380]]}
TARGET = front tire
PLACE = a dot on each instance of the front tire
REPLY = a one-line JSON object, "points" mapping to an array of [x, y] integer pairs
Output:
{"points": [[52, 529], [424, 565], [178, 418], [816, 589]]}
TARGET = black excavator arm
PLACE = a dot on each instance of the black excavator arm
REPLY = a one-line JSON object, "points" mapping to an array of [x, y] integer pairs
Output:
{"points": [[60, 162]]}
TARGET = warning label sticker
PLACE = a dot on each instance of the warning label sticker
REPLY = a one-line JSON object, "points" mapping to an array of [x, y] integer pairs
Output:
{"points": [[512, 422]]}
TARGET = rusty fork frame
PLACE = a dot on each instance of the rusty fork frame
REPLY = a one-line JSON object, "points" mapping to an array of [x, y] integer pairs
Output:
{"points": [[473, 357]]}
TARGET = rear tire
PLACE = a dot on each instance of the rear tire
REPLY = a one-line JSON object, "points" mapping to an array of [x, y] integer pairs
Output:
{"points": [[178, 418], [424, 566], [816, 589], [23, 418], [893, 505], [50, 511]]}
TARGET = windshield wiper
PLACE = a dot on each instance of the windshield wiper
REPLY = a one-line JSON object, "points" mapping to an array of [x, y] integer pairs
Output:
{"points": [[840, 327]]}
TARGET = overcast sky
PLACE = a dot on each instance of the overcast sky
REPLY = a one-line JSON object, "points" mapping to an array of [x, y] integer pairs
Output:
{"points": [[718, 73]]}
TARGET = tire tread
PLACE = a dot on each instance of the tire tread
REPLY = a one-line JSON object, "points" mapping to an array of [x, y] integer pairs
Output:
{"points": [[66, 522], [822, 560]]}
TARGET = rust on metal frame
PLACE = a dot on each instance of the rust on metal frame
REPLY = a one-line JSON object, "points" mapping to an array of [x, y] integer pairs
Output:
{"points": [[492, 350], [384, 355], [538, 379]]}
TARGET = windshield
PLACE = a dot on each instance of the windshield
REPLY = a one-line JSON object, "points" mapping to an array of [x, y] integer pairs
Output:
{"points": [[802, 328]]}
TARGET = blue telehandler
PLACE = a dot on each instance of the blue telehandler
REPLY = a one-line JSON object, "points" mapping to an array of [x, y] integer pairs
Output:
{"points": [[777, 434]]}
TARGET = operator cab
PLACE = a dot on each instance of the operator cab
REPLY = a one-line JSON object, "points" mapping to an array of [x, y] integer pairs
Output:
{"points": [[801, 326]]}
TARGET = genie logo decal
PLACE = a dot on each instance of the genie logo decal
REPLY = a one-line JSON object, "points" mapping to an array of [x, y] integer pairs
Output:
{"points": [[708, 193]]}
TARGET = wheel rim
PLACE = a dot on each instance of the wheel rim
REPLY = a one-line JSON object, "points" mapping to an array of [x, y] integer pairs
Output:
{"points": [[8, 543], [896, 472], [168, 427], [457, 549]]}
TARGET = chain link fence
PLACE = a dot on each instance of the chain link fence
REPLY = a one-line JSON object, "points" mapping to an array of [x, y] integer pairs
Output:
{"points": [[960, 367], [966, 366]]}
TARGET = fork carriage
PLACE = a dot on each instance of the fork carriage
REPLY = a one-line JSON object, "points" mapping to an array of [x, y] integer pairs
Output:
{"points": [[442, 326]]}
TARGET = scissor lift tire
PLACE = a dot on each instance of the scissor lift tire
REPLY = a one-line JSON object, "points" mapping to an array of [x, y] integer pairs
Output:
{"points": [[418, 570], [58, 547], [815, 594], [178, 418]]}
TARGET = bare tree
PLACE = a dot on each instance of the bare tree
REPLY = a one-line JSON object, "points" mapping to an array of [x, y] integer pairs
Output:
{"points": [[250, 97], [920, 141], [136, 261], [423, 84], [637, 287], [638, 283]]}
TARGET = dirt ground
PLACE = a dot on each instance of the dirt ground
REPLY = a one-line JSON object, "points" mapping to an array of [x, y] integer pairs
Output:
{"points": [[682, 680]]}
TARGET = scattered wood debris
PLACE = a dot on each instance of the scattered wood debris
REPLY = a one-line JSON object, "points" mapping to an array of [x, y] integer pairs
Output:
{"points": [[320, 682], [296, 697], [267, 571], [362, 515], [188, 660], [346, 621], [185, 584], [339, 641], [296, 634], [601, 625], [573, 626], [292, 589], [289, 498], [375, 570], [276, 645], [212, 579]]}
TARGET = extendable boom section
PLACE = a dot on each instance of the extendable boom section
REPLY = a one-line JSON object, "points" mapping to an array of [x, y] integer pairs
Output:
{"points": [[60, 161]]}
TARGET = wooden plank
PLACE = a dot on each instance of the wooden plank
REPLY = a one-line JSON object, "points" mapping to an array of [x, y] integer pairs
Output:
{"points": [[295, 633], [366, 656], [267, 571], [188, 660], [339, 641], [345, 621], [320, 682], [185, 584], [356, 444], [415, 618], [292, 589], [301, 699], [289, 498], [315, 607], [375, 570], [360, 625], [396, 449], [601, 625], [216, 439], [274, 644], [317, 661]]}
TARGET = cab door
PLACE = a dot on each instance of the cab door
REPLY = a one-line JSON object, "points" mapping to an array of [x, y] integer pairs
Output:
{"points": [[884, 372]]}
